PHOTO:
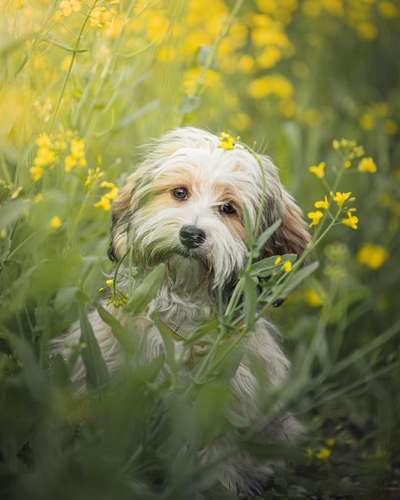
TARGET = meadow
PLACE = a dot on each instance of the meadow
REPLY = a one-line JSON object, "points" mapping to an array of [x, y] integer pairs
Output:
{"points": [[314, 84]]}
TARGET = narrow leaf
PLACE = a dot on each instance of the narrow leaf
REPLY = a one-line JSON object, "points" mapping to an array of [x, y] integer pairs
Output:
{"points": [[146, 291], [96, 369], [119, 332]]}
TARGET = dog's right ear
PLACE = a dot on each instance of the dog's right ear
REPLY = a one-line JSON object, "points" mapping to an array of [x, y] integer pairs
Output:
{"points": [[121, 211]]}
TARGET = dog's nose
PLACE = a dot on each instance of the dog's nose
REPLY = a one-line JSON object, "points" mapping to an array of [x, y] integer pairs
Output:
{"points": [[192, 236]]}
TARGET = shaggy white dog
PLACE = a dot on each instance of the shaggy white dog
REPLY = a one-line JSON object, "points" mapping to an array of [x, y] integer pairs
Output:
{"points": [[183, 205]]}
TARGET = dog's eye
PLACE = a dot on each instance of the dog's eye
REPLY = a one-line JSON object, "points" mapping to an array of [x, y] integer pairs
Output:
{"points": [[227, 208], [180, 193]]}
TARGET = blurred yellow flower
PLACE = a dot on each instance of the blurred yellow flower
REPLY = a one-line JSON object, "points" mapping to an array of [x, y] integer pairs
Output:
{"points": [[387, 9], [367, 165], [312, 297], [322, 203], [371, 255], [55, 222], [366, 30], [318, 170], [278, 260], [76, 156], [226, 141], [367, 121], [352, 220], [287, 266], [324, 454], [245, 63], [36, 173], [330, 442], [268, 57], [341, 198], [315, 217], [109, 283], [277, 85]]}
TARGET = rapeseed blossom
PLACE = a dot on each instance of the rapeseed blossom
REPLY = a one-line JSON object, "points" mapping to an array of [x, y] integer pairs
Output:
{"points": [[351, 220], [322, 203], [55, 222], [318, 170], [315, 217], [341, 198], [226, 141], [367, 165]]}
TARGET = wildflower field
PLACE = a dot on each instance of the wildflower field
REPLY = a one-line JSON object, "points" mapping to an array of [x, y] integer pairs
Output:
{"points": [[314, 84]]}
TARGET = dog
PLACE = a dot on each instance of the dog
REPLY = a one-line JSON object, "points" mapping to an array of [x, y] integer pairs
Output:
{"points": [[183, 205]]}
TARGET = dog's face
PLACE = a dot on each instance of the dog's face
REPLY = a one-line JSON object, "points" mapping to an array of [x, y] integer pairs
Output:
{"points": [[187, 199]]}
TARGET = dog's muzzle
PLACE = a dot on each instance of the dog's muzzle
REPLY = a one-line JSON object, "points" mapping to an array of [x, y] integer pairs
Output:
{"points": [[192, 236]]}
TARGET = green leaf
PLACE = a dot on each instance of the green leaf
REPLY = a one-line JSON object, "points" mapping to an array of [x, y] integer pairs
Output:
{"points": [[168, 336], [250, 300], [96, 369], [201, 331], [123, 336], [146, 291], [295, 279], [11, 211], [264, 237]]}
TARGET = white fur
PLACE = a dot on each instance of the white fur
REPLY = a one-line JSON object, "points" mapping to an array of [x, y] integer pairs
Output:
{"points": [[186, 299]]}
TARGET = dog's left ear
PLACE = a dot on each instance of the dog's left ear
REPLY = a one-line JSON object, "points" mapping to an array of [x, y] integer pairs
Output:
{"points": [[292, 236], [121, 208]]}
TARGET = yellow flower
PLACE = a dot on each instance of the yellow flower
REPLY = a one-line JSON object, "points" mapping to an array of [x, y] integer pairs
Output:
{"points": [[318, 170], [55, 222], [336, 144], [226, 141], [103, 203], [105, 200], [278, 260], [313, 298], [287, 266], [351, 221], [341, 198], [330, 442], [276, 85], [372, 256], [36, 173], [367, 165], [315, 217], [324, 454], [109, 283], [387, 9], [322, 203]]}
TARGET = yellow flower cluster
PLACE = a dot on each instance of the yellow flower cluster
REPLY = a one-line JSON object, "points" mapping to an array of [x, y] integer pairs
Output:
{"points": [[275, 85], [45, 156], [105, 201], [76, 156], [66, 8], [372, 256]]}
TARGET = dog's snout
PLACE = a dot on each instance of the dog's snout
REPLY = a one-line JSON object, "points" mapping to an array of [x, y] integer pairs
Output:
{"points": [[192, 236]]}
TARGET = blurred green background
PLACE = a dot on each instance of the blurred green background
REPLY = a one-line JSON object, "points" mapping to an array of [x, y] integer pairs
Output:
{"points": [[82, 84]]}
